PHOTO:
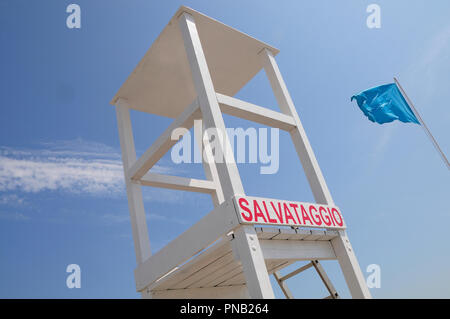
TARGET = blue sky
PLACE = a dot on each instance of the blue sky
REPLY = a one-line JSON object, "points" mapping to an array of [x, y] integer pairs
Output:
{"points": [[62, 198]]}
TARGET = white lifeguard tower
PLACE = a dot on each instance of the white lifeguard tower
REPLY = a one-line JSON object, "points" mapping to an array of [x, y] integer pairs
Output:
{"points": [[192, 71]]}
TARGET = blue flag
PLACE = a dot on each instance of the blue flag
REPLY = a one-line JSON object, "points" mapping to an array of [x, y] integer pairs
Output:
{"points": [[384, 104]]}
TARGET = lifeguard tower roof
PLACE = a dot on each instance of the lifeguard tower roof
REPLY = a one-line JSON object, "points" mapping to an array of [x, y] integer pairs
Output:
{"points": [[162, 84]]}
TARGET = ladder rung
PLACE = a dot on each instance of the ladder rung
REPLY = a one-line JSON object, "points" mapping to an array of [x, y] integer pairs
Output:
{"points": [[295, 272]]}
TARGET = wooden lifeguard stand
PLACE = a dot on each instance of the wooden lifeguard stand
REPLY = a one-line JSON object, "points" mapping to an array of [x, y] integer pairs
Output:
{"points": [[191, 72]]}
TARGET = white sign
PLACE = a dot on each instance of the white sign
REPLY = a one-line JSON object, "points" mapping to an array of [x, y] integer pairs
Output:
{"points": [[256, 210]]}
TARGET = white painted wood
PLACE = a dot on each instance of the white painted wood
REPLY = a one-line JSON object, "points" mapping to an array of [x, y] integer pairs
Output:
{"points": [[215, 266], [212, 117], [146, 294], [134, 192], [329, 235], [247, 247], [350, 266], [210, 269], [266, 232], [251, 112], [346, 256], [298, 234], [218, 276], [296, 272], [302, 233], [228, 292], [326, 281], [315, 235], [161, 83], [238, 279], [320, 271], [178, 183], [227, 276], [195, 265], [285, 234], [297, 250], [217, 223], [284, 287], [164, 142], [275, 265], [209, 167], [258, 281], [271, 265], [299, 138]]}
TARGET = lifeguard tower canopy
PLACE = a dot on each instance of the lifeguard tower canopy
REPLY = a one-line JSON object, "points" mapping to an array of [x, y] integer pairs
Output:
{"points": [[162, 83], [191, 72]]}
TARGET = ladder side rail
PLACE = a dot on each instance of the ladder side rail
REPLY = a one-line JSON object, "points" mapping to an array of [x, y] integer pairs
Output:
{"points": [[284, 287], [134, 191], [246, 244], [211, 173], [326, 281], [341, 244]]}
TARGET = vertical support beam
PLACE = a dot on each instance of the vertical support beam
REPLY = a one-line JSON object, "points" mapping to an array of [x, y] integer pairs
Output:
{"points": [[211, 173], [247, 249], [341, 244], [350, 267], [212, 116], [134, 192], [256, 275]]}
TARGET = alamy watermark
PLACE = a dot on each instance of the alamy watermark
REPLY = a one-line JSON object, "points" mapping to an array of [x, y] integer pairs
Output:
{"points": [[73, 20], [217, 148], [74, 279], [374, 18], [374, 278]]}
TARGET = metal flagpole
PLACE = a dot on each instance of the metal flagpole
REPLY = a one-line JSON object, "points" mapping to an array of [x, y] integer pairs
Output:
{"points": [[424, 126]]}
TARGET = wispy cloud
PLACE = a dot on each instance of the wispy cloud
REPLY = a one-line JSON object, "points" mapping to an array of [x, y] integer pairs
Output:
{"points": [[428, 71], [15, 216], [439, 45], [12, 200], [116, 218], [75, 166], [67, 174], [380, 147]]}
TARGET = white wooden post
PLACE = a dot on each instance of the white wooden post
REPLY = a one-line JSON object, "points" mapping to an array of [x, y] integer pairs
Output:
{"points": [[341, 244], [208, 166], [134, 192], [255, 271]]}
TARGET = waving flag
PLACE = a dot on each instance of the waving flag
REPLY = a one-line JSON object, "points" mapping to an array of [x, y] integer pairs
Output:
{"points": [[385, 103]]}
